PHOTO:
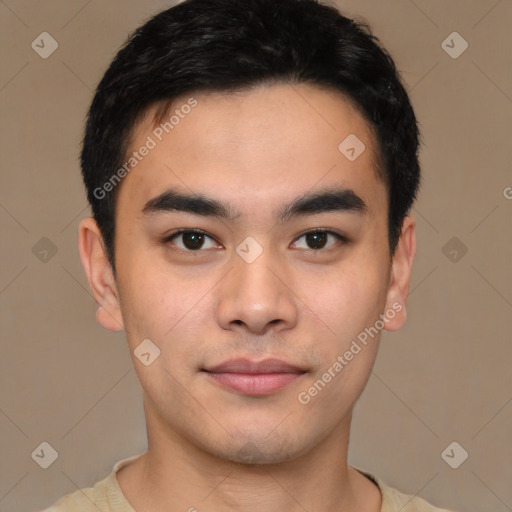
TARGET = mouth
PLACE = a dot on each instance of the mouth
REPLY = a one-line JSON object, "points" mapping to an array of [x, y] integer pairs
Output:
{"points": [[254, 378]]}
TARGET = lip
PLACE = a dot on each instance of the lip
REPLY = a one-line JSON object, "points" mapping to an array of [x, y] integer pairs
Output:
{"points": [[254, 378], [243, 365]]}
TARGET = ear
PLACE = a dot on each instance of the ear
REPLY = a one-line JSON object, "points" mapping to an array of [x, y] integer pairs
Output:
{"points": [[99, 274], [400, 277]]}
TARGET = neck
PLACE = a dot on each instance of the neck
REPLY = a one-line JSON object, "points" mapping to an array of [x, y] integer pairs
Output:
{"points": [[175, 474]]}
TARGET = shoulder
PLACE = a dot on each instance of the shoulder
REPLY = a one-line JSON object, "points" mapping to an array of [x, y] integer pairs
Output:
{"points": [[83, 500], [105, 495], [394, 501], [88, 499]]}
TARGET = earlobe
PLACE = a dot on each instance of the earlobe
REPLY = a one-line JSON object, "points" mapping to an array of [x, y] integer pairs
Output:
{"points": [[401, 267], [107, 320], [99, 274]]}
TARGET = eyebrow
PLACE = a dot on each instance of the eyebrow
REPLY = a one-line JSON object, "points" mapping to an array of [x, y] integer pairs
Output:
{"points": [[333, 199]]}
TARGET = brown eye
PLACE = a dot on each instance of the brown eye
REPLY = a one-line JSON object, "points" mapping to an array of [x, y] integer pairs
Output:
{"points": [[191, 240], [318, 239]]}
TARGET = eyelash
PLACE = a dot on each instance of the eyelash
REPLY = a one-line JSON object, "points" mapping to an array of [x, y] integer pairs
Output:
{"points": [[170, 237]]}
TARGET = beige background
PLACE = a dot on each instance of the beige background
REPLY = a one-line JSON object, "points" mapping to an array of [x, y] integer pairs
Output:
{"points": [[445, 377]]}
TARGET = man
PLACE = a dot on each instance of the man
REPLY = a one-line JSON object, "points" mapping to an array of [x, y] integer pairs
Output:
{"points": [[250, 166]]}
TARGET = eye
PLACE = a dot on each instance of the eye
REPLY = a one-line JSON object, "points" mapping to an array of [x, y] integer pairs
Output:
{"points": [[192, 240], [317, 239]]}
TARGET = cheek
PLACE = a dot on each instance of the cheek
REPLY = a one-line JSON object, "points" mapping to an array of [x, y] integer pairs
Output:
{"points": [[160, 305], [348, 307], [152, 302], [345, 302]]}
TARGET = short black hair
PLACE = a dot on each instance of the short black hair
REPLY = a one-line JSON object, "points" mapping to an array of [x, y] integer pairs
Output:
{"points": [[229, 45]]}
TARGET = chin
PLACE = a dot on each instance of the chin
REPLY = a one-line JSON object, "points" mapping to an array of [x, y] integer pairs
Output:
{"points": [[258, 448], [250, 453]]}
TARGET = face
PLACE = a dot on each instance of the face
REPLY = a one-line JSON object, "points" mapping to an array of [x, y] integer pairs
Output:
{"points": [[245, 235]]}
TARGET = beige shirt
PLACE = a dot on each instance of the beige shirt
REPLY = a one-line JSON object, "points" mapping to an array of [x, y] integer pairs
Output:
{"points": [[106, 495]]}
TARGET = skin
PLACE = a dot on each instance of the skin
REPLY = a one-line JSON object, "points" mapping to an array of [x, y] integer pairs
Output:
{"points": [[257, 151]]}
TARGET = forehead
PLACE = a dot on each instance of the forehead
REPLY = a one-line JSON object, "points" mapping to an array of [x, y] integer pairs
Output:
{"points": [[268, 142]]}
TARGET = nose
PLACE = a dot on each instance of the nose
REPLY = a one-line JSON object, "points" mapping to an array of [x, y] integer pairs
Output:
{"points": [[257, 296]]}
